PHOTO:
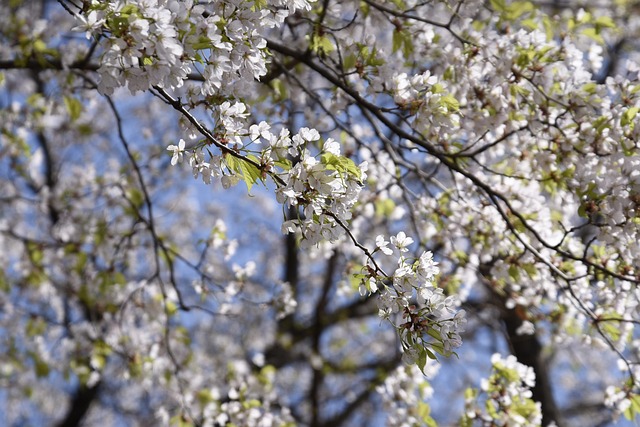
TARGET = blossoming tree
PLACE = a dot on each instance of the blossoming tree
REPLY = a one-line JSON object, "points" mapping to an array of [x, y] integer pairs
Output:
{"points": [[288, 212]]}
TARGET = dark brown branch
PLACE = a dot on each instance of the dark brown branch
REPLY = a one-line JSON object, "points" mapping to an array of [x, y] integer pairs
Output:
{"points": [[318, 329], [56, 65], [447, 161], [446, 26], [343, 416], [278, 356], [50, 176], [528, 351], [80, 404]]}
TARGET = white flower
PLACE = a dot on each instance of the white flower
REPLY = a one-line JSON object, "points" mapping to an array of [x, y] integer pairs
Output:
{"points": [[305, 135], [410, 355], [260, 130], [89, 24], [373, 285], [527, 328], [229, 181], [362, 289], [242, 273], [382, 245], [331, 146], [428, 268], [403, 279], [401, 241], [178, 151]]}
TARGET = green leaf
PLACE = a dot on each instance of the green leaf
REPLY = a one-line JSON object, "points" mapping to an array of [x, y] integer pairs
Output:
{"points": [[498, 5], [422, 360], [470, 393], [39, 46], [35, 327], [171, 307], [634, 409], [321, 44], [628, 116], [431, 422], [435, 334], [424, 413], [204, 396], [364, 7], [430, 354], [437, 88], [511, 375], [450, 103], [34, 99], [465, 421], [401, 39], [136, 197], [590, 88], [369, 56], [285, 164], [74, 107], [519, 90], [279, 90], [259, 5], [601, 123], [42, 369], [605, 21], [349, 62], [341, 164], [35, 253], [612, 330], [252, 403], [514, 272], [530, 24], [396, 41], [531, 270], [266, 374], [249, 172], [593, 33], [384, 207], [512, 11], [4, 283], [119, 279], [525, 407], [491, 410], [461, 257], [179, 421], [129, 9]]}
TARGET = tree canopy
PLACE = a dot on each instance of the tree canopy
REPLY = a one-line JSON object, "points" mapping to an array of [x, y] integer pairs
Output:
{"points": [[321, 213]]}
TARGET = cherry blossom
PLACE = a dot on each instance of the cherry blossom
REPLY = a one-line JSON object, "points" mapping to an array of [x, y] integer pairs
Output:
{"points": [[359, 194]]}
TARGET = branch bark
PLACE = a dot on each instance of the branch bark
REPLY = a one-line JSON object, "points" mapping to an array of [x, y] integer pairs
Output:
{"points": [[528, 351], [80, 405]]}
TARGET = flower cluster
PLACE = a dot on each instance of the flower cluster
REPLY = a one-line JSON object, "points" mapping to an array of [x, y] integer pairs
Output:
{"points": [[249, 399], [322, 188], [150, 43], [404, 395], [508, 396], [427, 100], [504, 137], [428, 319], [616, 398], [159, 43]]}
